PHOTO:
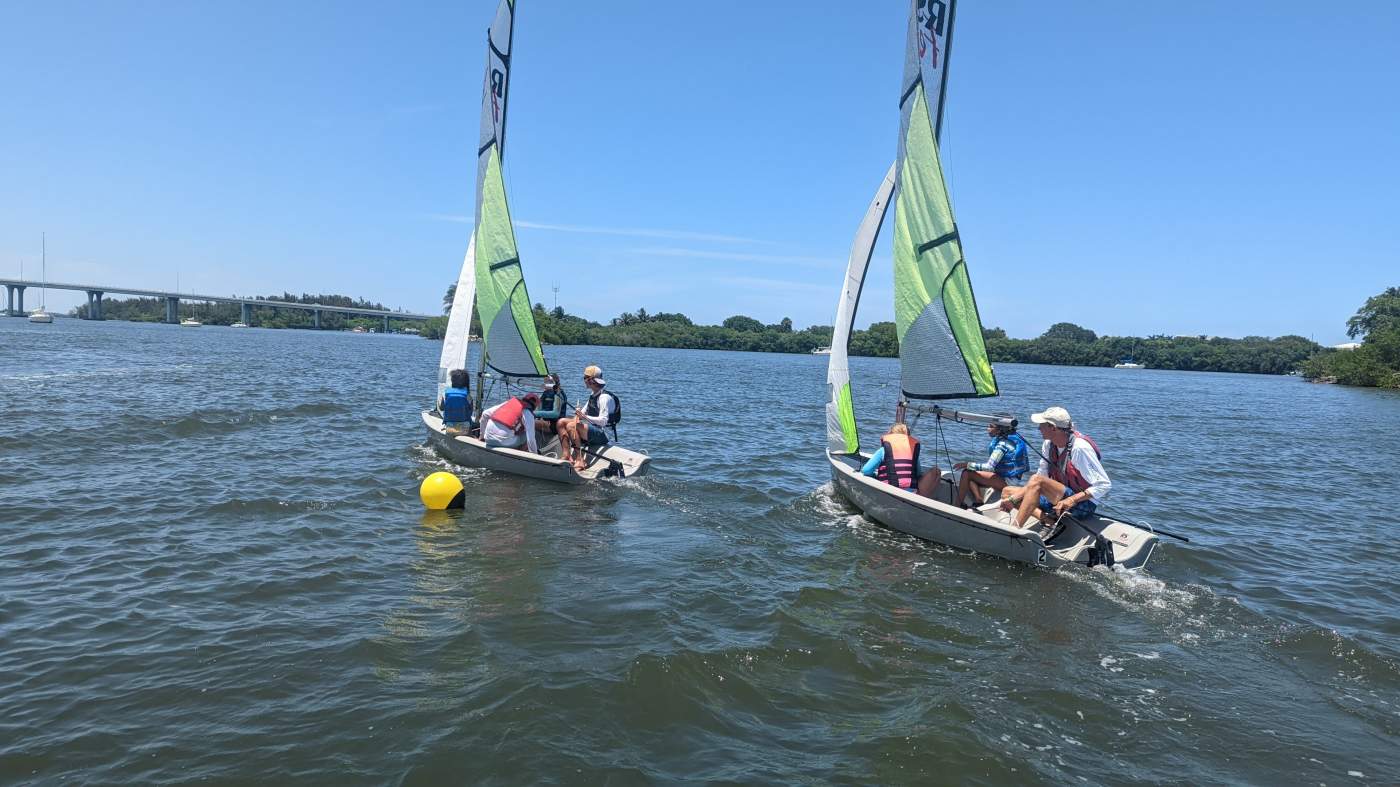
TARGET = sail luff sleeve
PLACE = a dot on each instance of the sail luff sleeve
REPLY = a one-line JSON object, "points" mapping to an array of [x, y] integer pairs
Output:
{"points": [[842, 436]]}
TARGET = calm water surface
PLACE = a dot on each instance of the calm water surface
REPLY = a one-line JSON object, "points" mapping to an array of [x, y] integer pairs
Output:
{"points": [[214, 565]]}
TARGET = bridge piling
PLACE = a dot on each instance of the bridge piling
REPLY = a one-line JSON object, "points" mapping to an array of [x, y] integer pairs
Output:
{"points": [[247, 315], [386, 323], [316, 313], [172, 310], [94, 311], [10, 299], [19, 296]]}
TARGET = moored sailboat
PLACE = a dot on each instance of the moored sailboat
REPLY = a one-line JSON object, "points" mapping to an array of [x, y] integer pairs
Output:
{"points": [[492, 282], [941, 349], [41, 315]]}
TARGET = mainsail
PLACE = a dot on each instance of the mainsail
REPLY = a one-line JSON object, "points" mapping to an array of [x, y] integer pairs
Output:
{"points": [[941, 351], [928, 52], [512, 345]]}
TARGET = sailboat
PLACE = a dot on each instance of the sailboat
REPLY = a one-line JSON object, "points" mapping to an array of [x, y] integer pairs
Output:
{"points": [[492, 281], [39, 315], [1129, 363], [941, 350]]}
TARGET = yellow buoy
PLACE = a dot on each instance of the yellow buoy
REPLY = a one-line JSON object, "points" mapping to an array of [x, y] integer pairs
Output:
{"points": [[442, 490]]}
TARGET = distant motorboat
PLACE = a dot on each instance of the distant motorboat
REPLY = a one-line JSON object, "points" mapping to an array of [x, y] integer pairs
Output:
{"points": [[190, 323], [40, 316], [1128, 364], [821, 351], [359, 329], [239, 325]]}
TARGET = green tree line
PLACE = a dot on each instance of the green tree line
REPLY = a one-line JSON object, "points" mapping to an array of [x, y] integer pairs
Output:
{"points": [[1064, 344], [1376, 363], [1067, 344], [153, 310]]}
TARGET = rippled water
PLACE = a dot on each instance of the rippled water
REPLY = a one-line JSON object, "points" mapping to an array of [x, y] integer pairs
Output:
{"points": [[213, 564]]}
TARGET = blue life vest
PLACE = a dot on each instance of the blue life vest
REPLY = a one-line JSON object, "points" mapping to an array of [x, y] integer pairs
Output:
{"points": [[456, 406], [1014, 463]]}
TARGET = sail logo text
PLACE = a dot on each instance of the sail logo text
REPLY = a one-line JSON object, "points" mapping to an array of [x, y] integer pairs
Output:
{"points": [[931, 16], [498, 91]]}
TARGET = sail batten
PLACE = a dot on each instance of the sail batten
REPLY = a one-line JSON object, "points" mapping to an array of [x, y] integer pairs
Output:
{"points": [[941, 349]]}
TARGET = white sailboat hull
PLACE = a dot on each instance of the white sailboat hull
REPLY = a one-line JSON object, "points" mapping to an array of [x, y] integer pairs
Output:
{"points": [[41, 317], [610, 462], [984, 530]]}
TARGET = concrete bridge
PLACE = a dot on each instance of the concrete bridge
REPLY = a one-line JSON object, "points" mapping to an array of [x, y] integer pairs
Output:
{"points": [[14, 302]]}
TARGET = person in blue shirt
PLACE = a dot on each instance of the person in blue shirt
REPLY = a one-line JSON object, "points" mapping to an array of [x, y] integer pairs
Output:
{"points": [[553, 404], [456, 402], [1008, 462]]}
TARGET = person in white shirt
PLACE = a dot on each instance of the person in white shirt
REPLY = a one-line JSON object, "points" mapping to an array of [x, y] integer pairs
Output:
{"points": [[587, 426], [511, 423], [1070, 479]]}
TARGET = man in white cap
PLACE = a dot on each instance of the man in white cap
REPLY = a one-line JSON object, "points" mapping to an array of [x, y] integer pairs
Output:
{"points": [[587, 426], [1070, 480]]}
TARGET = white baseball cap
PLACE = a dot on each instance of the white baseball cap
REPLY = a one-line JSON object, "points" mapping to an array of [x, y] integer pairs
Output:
{"points": [[1055, 416]]}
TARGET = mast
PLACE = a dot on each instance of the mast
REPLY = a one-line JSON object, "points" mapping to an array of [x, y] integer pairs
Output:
{"points": [[44, 280]]}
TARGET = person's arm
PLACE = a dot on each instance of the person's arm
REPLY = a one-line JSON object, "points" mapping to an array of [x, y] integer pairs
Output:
{"points": [[992, 461], [527, 419], [874, 463], [1086, 460]]}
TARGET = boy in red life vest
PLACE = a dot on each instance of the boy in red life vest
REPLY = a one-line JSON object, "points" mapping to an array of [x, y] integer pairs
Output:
{"points": [[511, 424], [1070, 479]]}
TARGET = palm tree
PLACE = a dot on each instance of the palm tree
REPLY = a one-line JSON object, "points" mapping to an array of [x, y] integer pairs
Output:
{"points": [[447, 299]]}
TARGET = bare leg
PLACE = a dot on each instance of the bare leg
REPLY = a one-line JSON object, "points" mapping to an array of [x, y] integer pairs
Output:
{"points": [[1039, 485], [566, 442], [581, 440], [928, 482], [964, 486], [976, 481]]}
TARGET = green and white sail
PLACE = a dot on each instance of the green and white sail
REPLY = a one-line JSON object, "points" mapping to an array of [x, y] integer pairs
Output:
{"points": [[841, 434], [941, 351], [508, 334]]}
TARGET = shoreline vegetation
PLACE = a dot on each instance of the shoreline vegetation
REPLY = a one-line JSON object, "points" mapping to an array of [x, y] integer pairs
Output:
{"points": [[153, 310], [1375, 363], [1064, 344]]}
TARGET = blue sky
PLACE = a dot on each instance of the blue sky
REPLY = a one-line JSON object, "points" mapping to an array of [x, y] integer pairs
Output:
{"points": [[1138, 168]]}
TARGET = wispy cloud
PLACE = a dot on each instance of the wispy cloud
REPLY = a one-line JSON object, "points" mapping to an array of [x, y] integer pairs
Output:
{"points": [[739, 256], [640, 233]]}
